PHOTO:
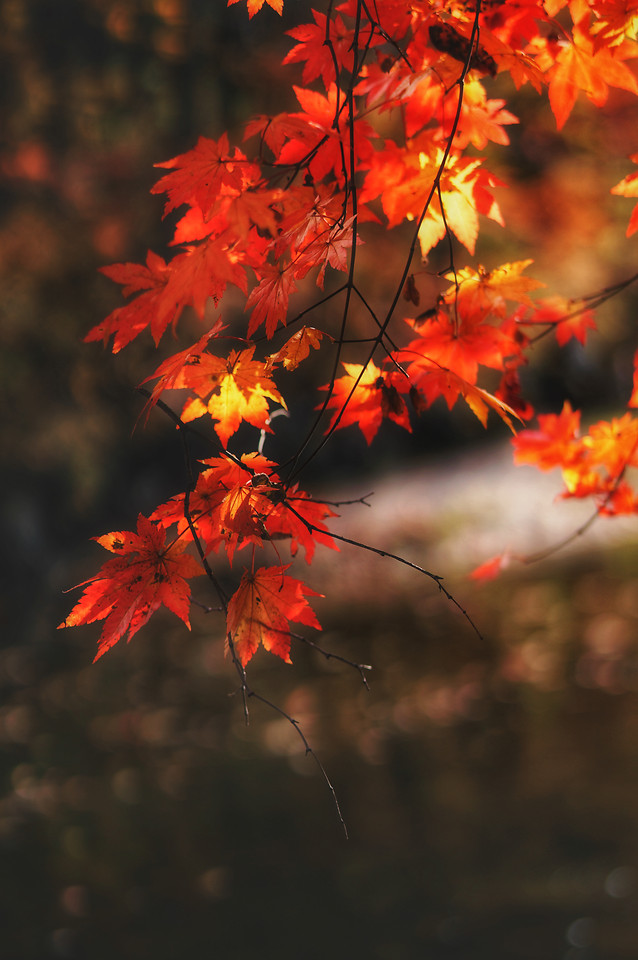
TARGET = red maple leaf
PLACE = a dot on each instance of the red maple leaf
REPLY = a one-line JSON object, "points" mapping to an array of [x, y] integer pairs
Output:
{"points": [[301, 520], [149, 308], [458, 346], [318, 137], [239, 503], [226, 506], [491, 569], [145, 575], [319, 54], [201, 174], [202, 271], [260, 611], [364, 397], [329, 248], [269, 299]]}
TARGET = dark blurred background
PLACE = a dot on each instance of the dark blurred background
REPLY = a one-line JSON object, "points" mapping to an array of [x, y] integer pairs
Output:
{"points": [[489, 785]]}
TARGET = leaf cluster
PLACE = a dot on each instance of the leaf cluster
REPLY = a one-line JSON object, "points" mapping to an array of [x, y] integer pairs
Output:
{"points": [[393, 104]]}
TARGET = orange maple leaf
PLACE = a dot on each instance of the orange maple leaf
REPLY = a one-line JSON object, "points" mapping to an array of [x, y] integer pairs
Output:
{"points": [[432, 381], [478, 293], [260, 611], [238, 388], [145, 575], [578, 66], [239, 503], [254, 6], [297, 348], [404, 179], [613, 444], [617, 21], [170, 371], [556, 442], [628, 187]]}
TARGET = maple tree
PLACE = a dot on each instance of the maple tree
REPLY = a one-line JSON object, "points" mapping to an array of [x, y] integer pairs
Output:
{"points": [[395, 100]]}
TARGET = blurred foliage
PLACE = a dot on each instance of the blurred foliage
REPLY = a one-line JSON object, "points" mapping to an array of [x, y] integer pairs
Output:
{"points": [[488, 787], [91, 95]]}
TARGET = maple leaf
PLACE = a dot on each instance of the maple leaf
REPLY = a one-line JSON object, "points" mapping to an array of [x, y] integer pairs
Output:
{"points": [[481, 120], [570, 318], [465, 193], [433, 381], [366, 402], [616, 22], [578, 66], [555, 443], [203, 271], [330, 247], [456, 344], [633, 400], [297, 348], [575, 327], [613, 444], [254, 6], [491, 568], [320, 53], [258, 509], [310, 214], [145, 575], [620, 501], [226, 507], [202, 173], [592, 465], [269, 299], [478, 293], [318, 139], [149, 308], [238, 388], [234, 213], [171, 370], [628, 187], [260, 611], [302, 521], [404, 179]]}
